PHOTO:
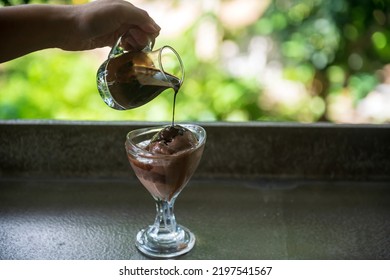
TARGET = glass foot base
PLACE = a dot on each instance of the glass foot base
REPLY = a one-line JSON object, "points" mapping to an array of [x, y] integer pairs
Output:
{"points": [[154, 243]]}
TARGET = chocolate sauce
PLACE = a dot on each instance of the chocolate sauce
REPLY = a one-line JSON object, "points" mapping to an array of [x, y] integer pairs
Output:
{"points": [[168, 133]]}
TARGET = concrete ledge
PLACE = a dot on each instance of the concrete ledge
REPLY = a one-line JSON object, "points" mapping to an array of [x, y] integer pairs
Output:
{"points": [[233, 150]]}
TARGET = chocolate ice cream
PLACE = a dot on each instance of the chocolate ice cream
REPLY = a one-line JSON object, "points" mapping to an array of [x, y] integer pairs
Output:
{"points": [[171, 140], [173, 155]]}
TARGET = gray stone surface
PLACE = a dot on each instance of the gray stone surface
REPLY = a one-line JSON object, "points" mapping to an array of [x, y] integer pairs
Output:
{"points": [[262, 191], [235, 219]]}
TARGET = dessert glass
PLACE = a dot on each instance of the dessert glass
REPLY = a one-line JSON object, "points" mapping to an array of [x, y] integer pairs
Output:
{"points": [[164, 176]]}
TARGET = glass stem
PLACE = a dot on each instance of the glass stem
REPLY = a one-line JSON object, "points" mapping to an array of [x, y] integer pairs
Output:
{"points": [[165, 218]]}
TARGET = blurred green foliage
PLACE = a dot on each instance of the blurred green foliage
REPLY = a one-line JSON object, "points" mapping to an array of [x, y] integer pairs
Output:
{"points": [[341, 44], [328, 46]]}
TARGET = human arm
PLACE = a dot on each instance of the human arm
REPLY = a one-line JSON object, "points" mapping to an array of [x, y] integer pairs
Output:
{"points": [[28, 28]]}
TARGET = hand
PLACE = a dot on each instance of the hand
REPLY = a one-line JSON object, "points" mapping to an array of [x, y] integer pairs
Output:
{"points": [[29, 28], [102, 22]]}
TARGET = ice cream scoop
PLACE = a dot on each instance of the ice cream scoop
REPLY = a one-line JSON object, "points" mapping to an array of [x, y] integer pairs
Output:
{"points": [[171, 140]]}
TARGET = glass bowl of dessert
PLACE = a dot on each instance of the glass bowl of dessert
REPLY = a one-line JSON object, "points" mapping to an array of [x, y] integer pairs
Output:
{"points": [[164, 159]]}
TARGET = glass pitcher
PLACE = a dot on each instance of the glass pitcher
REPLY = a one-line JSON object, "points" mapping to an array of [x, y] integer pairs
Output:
{"points": [[129, 79]]}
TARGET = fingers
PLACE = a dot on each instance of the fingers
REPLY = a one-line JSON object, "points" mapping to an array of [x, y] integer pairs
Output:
{"points": [[142, 29], [137, 39], [150, 27], [141, 19], [102, 22]]}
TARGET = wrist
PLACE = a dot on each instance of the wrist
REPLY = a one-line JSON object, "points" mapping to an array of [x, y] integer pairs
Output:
{"points": [[62, 21], [30, 28]]}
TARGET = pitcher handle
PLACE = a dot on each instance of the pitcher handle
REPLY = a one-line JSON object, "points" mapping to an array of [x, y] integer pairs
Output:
{"points": [[117, 49], [149, 46]]}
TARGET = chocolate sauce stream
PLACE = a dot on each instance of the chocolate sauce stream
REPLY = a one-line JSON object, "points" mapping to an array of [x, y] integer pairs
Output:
{"points": [[174, 105]]}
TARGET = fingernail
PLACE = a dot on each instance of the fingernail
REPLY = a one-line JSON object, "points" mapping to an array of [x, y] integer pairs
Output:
{"points": [[154, 27]]}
